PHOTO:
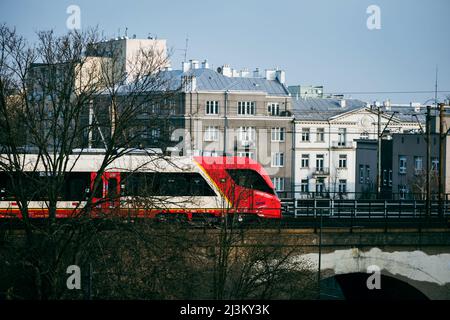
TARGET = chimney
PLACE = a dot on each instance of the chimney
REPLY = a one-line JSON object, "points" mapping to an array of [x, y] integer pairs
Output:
{"points": [[244, 73], [343, 103], [270, 74], [205, 64], [234, 73], [280, 76], [416, 106], [226, 70], [387, 105], [194, 64], [256, 73], [185, 66]]}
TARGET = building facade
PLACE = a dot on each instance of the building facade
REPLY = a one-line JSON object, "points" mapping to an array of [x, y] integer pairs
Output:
{"points": [[238, 113], [326, 131]]}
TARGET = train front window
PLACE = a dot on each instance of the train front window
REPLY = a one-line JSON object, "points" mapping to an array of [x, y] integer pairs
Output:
{"points": [[250, 179]]}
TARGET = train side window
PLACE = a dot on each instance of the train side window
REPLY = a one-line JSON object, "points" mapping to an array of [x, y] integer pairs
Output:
{"points": [[166, 184], [173, 184], [199, 187], [4, 186], [76, 185], [98, 193], [112, 188], [249, 179]]}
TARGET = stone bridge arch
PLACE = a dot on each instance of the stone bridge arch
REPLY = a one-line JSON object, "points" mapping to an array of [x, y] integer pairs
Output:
{"points": [[429, 274]]}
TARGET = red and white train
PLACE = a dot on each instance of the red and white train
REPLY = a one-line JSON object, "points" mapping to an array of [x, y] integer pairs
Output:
{"points": [[153, 186]]}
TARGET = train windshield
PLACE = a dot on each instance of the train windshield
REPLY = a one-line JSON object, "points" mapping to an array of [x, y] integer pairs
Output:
{"points": [[250, 179]]}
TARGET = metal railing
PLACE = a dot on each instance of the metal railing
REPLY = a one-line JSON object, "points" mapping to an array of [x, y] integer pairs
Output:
{"points": [[355, 205]]}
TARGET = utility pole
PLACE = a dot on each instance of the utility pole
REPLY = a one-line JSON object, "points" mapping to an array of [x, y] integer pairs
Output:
{"points": [[225, 124], [91, 122], [428, 140], [442, 137], [379, 136]]}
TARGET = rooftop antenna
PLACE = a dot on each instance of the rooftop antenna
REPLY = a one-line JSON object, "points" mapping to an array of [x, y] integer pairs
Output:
{"points": [[186, 47], [126, 31], [436, 88]]}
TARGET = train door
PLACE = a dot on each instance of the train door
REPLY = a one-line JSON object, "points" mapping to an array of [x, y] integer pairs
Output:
{"points": [[107, 195], [111, 181]]}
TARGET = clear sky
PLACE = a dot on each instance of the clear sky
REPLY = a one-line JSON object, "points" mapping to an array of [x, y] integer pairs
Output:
{"points": [[317, 42]]}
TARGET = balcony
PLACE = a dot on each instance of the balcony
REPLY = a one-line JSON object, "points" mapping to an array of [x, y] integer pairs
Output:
{"points": [[321, 171], [342, 144]]}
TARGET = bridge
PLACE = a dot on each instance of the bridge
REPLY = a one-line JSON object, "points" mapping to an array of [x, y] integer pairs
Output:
{"points": [[412, 264]]}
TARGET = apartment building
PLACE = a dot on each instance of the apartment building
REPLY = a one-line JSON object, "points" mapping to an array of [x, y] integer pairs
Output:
{"points": [[326, 131], [238, 113], [403, 164]]}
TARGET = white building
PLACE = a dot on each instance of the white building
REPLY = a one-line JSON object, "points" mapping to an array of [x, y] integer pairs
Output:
{"points": [[324, 146]]}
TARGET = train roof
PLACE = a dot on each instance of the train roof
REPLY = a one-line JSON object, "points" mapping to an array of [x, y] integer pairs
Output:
{"points": [[132, 162]]}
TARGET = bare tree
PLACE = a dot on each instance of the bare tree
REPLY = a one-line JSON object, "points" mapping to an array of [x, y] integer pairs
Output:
{"points": [[47, 91]]}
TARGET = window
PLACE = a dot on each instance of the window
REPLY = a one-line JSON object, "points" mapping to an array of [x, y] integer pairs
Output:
{"points": [[212, 133], [402, 191], [246, 107], [277, 159], [402, 164], [212, 107], [342, 161], [305, 161], [367, 174], [249, 179], [76, 186], [342, 136], [278, 134], [273, 109], [246, 154], [155, 134], [364, 135], [112, 188], [304, 186], [166, 184], [361, 173], [305, 134], [320, 135], [390, 178], [246, 135], [320, 185], [278, 183], [319, 162], [418, 164], [342, 186], [434, 164]]}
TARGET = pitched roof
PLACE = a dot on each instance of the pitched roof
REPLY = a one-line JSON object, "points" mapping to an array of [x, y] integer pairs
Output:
{"points": [[211, 80], [323, 108]]}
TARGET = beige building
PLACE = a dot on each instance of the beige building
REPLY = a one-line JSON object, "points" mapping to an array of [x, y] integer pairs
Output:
{"points": [[231, 112]]}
